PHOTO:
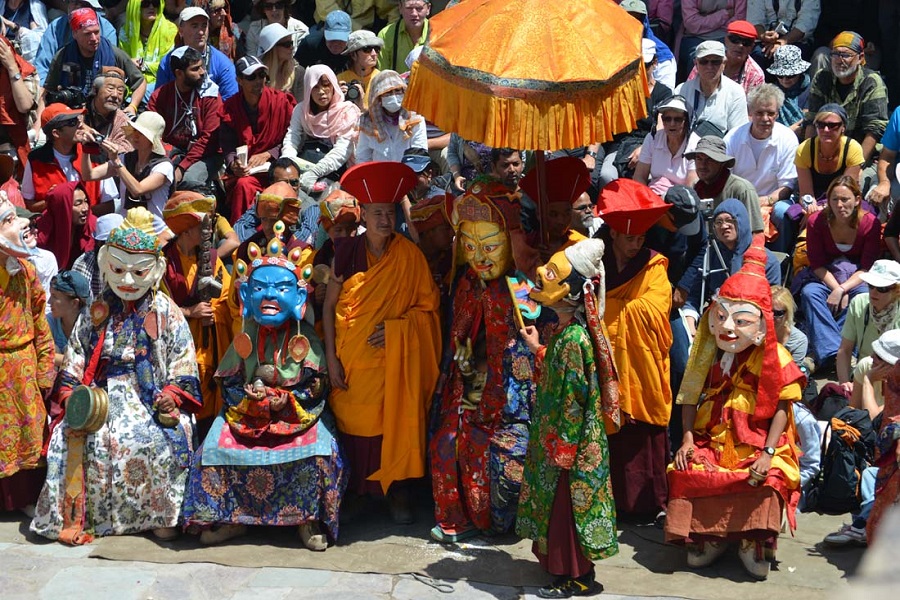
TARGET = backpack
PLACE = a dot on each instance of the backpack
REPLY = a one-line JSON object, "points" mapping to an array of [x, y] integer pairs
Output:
{"points": [[835, 489]]}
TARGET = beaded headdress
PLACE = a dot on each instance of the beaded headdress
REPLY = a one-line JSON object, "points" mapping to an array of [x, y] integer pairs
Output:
{"points": [[136, 233], [274, 255]]}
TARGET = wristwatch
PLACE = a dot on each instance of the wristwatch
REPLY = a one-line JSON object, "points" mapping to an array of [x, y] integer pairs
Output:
{"points": [[591, 153], [17, 76], [769, 450]]}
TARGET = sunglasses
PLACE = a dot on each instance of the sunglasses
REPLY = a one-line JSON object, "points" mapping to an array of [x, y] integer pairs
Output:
{"points": [[673, 119], [742, 41], [368, 49], [272, 5], [779, 314], [883, 290], [73, 122], [256, 75], [710, 61], [285, 44], [827, 125]]}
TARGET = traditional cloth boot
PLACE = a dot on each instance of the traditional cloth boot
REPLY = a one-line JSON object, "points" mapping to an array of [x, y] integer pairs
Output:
{"points": [[704, 554], [312, 537], [222, 534], [754, 561]]}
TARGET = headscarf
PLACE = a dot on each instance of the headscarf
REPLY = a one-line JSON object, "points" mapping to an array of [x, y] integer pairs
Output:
{"points": [[375, 121], [338, 119], [226, 41], [851, 40], [160, 40], [55, 226], [83, 17]]}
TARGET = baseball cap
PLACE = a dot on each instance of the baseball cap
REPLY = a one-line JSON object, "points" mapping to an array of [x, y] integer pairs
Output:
{"points": [[648, 49], [634, 6], [337, 26], [710, 48], [270, 35], [415, 161], [685, 211], [190, 12], [57, 113], [743, 29], [248, 65], [676, 102], [884, 273]]}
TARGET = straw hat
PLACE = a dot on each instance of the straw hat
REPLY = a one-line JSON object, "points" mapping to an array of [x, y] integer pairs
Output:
{"points": [[150, 125]]}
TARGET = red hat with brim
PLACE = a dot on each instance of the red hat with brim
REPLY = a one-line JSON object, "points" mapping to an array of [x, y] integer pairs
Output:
{"points": [[629, 207], [567, 179], [379, 182]]}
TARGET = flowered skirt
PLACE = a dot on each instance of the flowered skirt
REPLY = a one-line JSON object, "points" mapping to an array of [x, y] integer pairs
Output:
{"points": [[23, 418], [291, 493], [132, 479]]}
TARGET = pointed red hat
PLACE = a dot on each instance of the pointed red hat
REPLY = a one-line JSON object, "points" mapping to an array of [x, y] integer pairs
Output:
{"points": [[629, 207], [379, 182], [567, 179]]}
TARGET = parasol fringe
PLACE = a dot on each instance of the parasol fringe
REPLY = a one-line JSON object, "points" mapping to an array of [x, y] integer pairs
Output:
{"points": [[479, 115]]}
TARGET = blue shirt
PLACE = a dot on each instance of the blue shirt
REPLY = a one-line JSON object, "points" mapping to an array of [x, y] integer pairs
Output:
{"points": [[218, 68], [891, 137], [59, 34]]}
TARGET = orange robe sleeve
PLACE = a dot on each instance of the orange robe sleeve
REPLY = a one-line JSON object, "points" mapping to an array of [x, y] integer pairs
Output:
{"points": [[637, 317], [389, 388]]}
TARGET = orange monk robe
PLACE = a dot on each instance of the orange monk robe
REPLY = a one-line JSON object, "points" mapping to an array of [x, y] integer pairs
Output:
{"points": [[210, 348], [637, 318], [389, 389]]}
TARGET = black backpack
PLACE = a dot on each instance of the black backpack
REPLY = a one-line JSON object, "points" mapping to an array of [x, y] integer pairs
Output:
{"points": [[835, 489]]}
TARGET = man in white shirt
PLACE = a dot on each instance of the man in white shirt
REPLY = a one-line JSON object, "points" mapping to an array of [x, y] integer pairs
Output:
{"points": [[717, 103], [764, 153]]}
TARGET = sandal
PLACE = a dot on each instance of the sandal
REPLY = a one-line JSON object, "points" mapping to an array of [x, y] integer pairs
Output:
{"points": [[447, 537]]}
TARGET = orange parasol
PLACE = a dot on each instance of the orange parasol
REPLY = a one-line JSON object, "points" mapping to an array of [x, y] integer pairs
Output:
{"points": [[531, 74]]}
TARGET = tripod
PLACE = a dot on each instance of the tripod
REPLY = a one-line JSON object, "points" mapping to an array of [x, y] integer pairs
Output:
{"points": [[710, 248]]}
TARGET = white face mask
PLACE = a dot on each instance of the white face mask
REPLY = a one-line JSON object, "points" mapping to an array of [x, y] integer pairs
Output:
{"points": [[392, 103], [130, 276]]}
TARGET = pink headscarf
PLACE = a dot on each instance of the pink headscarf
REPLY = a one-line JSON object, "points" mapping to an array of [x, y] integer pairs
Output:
{"points": [[338, 119]]}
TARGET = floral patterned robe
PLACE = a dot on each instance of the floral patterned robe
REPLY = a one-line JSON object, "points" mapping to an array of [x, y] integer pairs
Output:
{"points": [[568, 432], [135, 470]]}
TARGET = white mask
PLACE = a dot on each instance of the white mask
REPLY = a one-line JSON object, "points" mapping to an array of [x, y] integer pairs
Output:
{"points": [[392, 103], [128, 275]]}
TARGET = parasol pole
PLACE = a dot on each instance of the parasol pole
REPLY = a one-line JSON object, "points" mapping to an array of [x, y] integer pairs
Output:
{"points": [[541, 168]]}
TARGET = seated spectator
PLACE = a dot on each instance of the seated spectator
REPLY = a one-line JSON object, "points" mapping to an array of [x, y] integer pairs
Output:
{"points": [[861, 16], [705, 20], [783, 23], [192, 115], [466, 160], [59, 33], [103, 111], [732, 237], [43, 260], [828, 155], [764, 151], [401, 36], [269, 12], [365, 13], [661, 162], [665, 69], [892, 235], [193, 29], [326, 42], [25, 25], [145, 175], [860, 91], [740, 38], [282, 169], [387, 129], [77, 63], [426, 172], [789, 70], [8, 183], [362, 55], [146, 38], [275, 51], [66, 226], [789, 335], [888, 189], [86, 264], [869, 315], [256, 118], [715, 179], [57, 161], [70, 297], [223, 31], [321, 129], [717, 103], [843, 242], [20, 84]]}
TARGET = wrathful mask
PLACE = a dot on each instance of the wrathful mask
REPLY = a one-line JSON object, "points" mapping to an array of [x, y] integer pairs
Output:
{"points": [[736, 325], [485, 246], [272, 295]]}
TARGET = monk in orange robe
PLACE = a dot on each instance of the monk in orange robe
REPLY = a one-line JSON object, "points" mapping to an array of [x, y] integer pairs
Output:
{"points": [[638, 301], [382, 340], [210, 320]]}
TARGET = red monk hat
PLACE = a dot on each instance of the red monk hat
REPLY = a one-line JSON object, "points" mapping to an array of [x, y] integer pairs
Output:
{"points": [[629, 207], [379, 182], [567, 179]]}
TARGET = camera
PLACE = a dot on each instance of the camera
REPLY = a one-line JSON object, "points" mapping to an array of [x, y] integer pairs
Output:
{"points": [[93, 148], [706, 207], [71, 96], [352, 92], [780, 28]]}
